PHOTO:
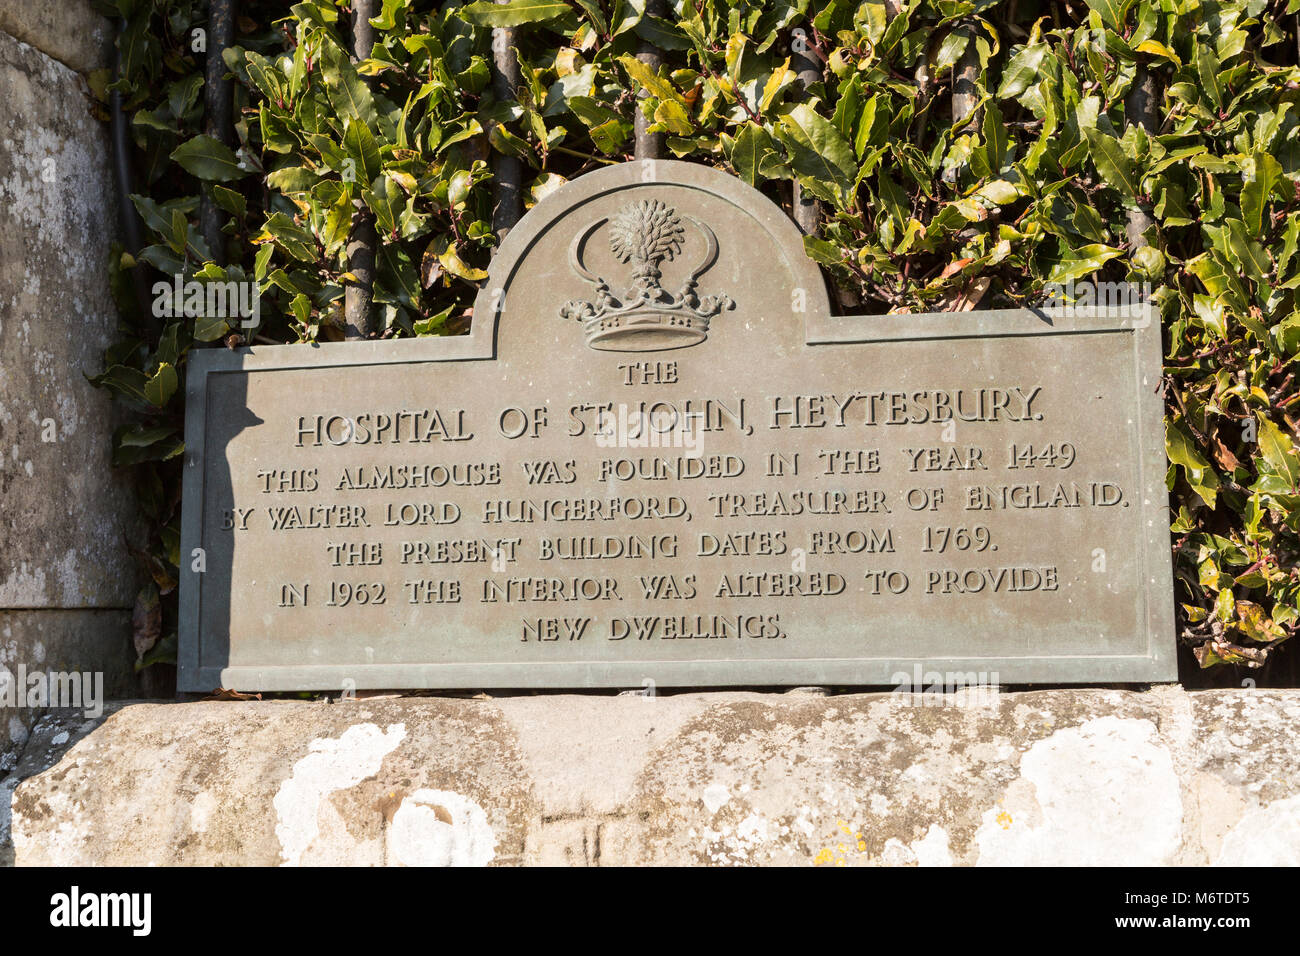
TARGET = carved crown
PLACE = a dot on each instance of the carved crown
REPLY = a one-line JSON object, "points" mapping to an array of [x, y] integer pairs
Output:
{"points": [[646, 318]]}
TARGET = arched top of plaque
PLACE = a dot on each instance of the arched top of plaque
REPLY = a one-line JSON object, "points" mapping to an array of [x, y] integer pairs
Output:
{"points": [[657, 257], [646, 257]]}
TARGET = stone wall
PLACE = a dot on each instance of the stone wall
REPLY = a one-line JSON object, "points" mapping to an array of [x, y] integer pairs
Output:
{"points": [[66, 580], [1079, 777], [69, 31]]}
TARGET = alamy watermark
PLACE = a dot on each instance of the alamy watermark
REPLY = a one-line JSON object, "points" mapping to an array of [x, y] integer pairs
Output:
{"points": [[232, 299], [662, 425], [69, 690], [75, 908], [922, 688], [1129, 298]]}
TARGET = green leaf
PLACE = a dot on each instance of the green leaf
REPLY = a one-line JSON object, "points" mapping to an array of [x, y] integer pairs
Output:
{"points": [[752, 145], [1279, 451], [209, 328], [260, 261], [1249, 255], [1224, 605], [1261, 175], [291, 237], [363, 149], [434, 324], [1113, 164], [661, 33], [124, 380], [229, 200], [951, 49], [545, 184], [162, 386], [338, 223], [1149, 261], [182, 94], [141, 437], [458, 187], [450, 259], [1220, 280], [516, 13], [607, 128], [1182, 452], [386, 200], [998, 192], [821, 251], [398, 275], [301, 308], [1112, 12], [387, 18], [208, 158], [652, 82], [133, 444], [818, 148], [1207, 70], [504, 141], [292, 179], [348, 93], [672, 116], [1081, 262], [1022, 71], [995, 138], [265, 76], [173, 344], [179, 234]]}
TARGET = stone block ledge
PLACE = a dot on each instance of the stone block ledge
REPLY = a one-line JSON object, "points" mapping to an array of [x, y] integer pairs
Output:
{"points": [[1056, 777]]}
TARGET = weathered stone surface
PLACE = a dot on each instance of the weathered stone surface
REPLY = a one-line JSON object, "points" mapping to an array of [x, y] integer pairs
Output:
{"points": [[59, 640], [1246, 782], [50, 736], [384, 781], [63, 511], [1077, 777], [68, 31]]}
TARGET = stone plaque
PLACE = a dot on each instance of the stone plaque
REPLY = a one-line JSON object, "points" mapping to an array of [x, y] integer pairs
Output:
{"points": [[658, 457]]}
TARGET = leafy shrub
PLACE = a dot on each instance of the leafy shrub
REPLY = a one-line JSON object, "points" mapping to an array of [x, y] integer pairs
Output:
{"points": [[919, 213]]}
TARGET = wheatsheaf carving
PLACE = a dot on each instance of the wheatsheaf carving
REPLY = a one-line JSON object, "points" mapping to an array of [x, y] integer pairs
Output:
{"points": [[647, 318]]}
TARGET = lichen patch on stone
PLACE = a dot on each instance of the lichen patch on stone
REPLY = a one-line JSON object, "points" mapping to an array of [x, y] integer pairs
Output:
{"points": [[331, 764], [440, 828], [1102, 793]]}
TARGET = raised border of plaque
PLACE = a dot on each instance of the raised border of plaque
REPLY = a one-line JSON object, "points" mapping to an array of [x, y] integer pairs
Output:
{"points": [[203, 667]]}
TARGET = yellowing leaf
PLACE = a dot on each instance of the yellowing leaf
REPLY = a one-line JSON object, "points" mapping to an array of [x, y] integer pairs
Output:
{"points": [[1156, 48]]}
